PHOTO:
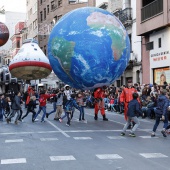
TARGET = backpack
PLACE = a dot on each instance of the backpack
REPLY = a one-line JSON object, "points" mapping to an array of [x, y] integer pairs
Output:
{"points": [[68, 106]]}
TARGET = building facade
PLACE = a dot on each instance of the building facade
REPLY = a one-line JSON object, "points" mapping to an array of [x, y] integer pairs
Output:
{"points": [[153, 21], [125, 10]]}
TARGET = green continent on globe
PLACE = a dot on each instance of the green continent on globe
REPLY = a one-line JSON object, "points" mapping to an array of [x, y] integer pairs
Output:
{"points": [[99, 21], [63, 50]]}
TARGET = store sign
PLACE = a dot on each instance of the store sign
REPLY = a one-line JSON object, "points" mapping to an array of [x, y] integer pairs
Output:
{"points": [[160, 56], [161, 75]]}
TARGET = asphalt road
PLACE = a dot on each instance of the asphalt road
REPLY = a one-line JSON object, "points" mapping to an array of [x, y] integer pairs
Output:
{"points": [[90, 145]]}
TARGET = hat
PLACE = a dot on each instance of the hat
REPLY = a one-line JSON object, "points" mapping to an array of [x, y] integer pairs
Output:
{"points": [[129, 81]]}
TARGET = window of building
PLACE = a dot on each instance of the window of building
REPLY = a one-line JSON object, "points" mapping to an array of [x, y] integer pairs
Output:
{"points": [[41, 16], [35, 24], [159, 43], [34, 8], [149, 46], [151, 8], [59, 3], [18, 44], [52, 5], [45, 50], [41, 1], [44, 13], [48, 9]]}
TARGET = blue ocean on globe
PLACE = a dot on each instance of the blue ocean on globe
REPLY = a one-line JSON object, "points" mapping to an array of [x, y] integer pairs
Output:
{"points": [[88, 48]]}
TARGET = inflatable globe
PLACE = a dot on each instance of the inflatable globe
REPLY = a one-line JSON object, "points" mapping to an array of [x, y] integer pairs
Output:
{"points": [[4, 34], [88, 48]]}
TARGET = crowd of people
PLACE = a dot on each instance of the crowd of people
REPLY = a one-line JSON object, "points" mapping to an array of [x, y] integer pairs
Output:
{"points": [[106, 98]]}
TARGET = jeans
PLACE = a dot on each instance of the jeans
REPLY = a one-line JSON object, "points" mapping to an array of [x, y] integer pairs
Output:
{"points": [[43, 108], [68, 117], [157, 121], [129, 119], [13, 114], [54, 108], [2, 113], [81, 112]]}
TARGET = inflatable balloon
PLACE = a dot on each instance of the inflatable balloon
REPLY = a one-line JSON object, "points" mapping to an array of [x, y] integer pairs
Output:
{"points": [[88, 47], [4, 34]]}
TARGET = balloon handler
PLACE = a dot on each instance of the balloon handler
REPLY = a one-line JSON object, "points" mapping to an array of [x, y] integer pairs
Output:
{"points": [[99, 95]]}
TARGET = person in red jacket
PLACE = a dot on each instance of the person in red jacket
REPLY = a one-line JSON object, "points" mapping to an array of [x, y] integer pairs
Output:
{"points": [[126, 96], [30, 93], [99, 95], [42, 104]]}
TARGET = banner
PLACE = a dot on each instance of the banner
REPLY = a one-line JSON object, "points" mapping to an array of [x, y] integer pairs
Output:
{"points": [[161, 75]]}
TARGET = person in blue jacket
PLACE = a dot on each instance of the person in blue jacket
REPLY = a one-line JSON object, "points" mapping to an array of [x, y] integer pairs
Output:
{"points": [[133, 112], [69, 106]]}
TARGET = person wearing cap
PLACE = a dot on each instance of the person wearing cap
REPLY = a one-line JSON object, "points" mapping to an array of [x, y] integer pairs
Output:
{"points": [[99, 95], [126, 96]]}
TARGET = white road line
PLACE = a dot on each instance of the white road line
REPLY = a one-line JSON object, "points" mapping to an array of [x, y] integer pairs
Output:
{"points": [[82, 138], [61, 131], [13, 140], [153, 155], [62, 158], [109, 156], [48, 139], [116, 137], [148, 137], [13, 161]]}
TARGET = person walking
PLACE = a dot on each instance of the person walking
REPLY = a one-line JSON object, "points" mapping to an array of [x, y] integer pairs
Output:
{"points": [[99, 95], [16, 107], [30, 107], [161, 112], [133, 112], [42, 104]]}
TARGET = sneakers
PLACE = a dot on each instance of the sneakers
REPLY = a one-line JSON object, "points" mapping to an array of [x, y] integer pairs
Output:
{"points": [[163, 133], [56, 118], [60, 120], [16, 122], [42, 120], [122, 134], [95, 117], [47, 115], [153, 135], [132, 134], [67, 124]]}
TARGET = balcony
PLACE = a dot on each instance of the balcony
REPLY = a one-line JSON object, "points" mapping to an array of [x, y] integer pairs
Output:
{"points": [[152, 9], [125, 16]]}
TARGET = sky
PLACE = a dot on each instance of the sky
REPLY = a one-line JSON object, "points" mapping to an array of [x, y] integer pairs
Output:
{"points": [[14, 5]]}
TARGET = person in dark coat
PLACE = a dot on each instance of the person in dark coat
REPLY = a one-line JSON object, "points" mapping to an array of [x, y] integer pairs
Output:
{"points": [[16, 107], [30, 107], [133, 112]]}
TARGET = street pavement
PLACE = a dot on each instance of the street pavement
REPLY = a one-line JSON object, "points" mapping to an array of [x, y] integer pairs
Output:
{"points": [[89, 145]]}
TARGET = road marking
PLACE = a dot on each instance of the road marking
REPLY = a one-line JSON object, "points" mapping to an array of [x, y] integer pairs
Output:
{"points": [[48, 139], [153, 155], [147, 137], [13, 161], [14, 140], [82, 138], [116, 137], [61, 131], [109, 156], [62, 158]]}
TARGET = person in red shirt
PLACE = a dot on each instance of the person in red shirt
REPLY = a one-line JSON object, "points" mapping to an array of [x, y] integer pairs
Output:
{"points": [[30, 93], [126, 96], [42, 104], [99, 95]]}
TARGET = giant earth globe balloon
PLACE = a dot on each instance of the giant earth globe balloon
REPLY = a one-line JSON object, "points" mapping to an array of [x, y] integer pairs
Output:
{"points": [[4, 34], [88, 48]]}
